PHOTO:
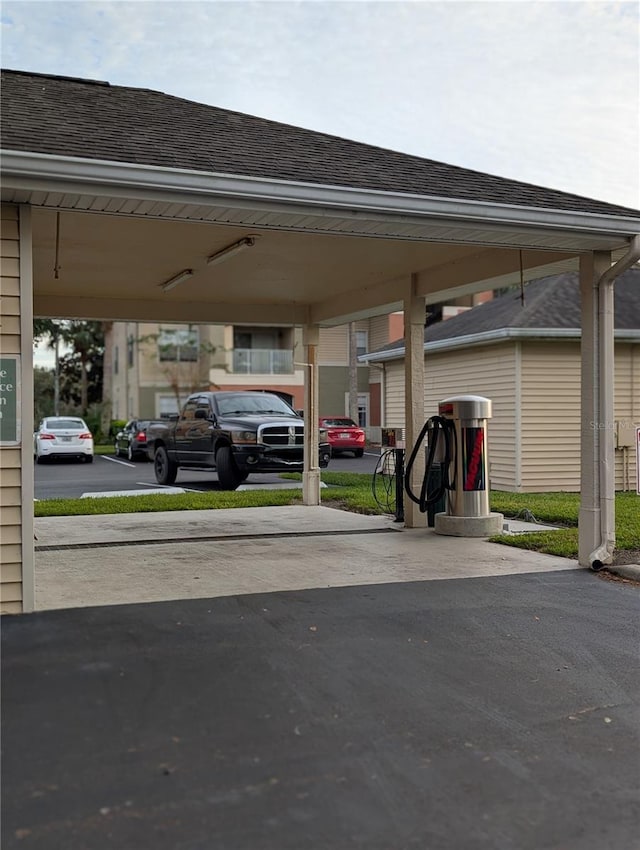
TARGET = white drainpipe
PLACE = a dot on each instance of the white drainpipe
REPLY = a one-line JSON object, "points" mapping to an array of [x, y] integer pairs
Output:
{"points": [[603, 554]]}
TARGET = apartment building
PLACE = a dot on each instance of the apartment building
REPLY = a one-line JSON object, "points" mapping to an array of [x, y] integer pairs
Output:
{"points": [[154, 367]]}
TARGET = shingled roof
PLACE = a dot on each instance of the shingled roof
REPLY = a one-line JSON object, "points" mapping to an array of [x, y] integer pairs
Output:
{"points": [[550, 304], [63, 116]]}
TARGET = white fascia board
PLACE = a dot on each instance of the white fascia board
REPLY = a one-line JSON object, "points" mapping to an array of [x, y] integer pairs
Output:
{"points": [[94, 175], [490, 337]]}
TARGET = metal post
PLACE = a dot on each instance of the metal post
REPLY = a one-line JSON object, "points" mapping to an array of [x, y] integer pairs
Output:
{"points": [[399, 459]]}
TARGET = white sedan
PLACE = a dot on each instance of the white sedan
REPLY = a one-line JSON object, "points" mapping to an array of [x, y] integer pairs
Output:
{"points": [[63, 436]]}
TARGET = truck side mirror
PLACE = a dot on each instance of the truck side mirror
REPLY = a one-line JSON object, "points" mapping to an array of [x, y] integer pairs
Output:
{"points": [[200, 413]]}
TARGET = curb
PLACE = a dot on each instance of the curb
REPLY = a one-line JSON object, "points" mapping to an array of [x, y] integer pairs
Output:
{"points": [[630, 571]]}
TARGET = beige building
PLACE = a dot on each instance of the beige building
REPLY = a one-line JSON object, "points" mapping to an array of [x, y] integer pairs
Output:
{"points": [[526, 359]]}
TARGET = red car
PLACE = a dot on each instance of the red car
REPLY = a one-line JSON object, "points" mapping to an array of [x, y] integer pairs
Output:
{"points": [[344, 435]]}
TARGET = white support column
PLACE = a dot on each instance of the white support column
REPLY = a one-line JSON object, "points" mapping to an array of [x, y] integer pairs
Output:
{"points": [[414, 315], [596, 521], [311, 472]]}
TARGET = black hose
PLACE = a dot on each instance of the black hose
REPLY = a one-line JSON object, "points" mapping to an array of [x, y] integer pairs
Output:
{"points": [[442, 428]]}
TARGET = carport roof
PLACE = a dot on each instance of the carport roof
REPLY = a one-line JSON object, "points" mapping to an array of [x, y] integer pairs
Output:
{"points": [[63, 116]]}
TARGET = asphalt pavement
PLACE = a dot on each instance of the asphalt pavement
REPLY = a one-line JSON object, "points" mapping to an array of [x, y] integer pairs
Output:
{"points": [[495, 712], [66, 478]]}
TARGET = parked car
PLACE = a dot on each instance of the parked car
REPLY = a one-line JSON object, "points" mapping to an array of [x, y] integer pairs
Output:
{"points": [[63, 436], [131, 441], [344, 435]]}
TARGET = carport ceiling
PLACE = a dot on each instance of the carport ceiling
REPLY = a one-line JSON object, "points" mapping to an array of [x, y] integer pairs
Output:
{"points": [[130, 187], [113, 266]]}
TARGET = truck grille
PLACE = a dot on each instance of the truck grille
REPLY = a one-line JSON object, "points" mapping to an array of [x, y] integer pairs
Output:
{"points": [[281, 435]]}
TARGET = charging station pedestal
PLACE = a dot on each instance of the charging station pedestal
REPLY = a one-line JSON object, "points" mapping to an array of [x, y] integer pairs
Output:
{"points": [[468, 513]]}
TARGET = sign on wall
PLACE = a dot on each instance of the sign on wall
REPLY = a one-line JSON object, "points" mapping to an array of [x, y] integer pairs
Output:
{"points": [[10, 421]]}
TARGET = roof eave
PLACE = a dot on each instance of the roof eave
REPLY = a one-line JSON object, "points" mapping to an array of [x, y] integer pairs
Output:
{"points": [[24, 169], [496, 336]]}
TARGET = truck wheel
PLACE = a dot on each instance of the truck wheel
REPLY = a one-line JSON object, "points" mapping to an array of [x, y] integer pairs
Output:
{"points": [[165, 469], [229, 475]]}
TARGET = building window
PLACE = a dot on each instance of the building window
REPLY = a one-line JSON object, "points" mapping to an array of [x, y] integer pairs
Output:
{"points": [[115, 360], [130, 351], [362, 342], [168, 406], [363, 409], [178, 345]]}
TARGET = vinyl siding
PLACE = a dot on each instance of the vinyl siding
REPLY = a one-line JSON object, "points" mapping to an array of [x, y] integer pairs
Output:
{"points": [[380, 330], [488, 372], [333, 347], [627, 409], [550, 416], [10, 457]]}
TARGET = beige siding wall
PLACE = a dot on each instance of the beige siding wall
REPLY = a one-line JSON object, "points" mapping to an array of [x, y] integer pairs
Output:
{"points": [[11, 593], [333, 348], [394, 394], [384, 329], [489, 372], [627, 410], [550, 416]]}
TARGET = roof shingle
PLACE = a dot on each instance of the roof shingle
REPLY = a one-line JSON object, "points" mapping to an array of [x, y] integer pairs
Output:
{"points": [[550, 303], [63, 116]]}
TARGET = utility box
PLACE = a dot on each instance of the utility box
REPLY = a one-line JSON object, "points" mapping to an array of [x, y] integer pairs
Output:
{"points": [[392, 438]]}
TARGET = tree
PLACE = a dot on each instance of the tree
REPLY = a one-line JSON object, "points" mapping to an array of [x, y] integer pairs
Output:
{"points": [[78, 373], [107, 376], [185, 360], [43, 393], [52, 330]]}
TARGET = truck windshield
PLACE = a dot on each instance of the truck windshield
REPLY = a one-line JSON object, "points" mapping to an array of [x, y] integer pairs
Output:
{"points": [[257, 405]]}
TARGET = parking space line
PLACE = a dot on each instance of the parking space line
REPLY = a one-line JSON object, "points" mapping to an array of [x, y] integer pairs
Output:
{"points": [[116, 460]]}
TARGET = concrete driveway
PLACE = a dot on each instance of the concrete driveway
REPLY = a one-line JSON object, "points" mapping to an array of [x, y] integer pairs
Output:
{"points": [[128, 558]]}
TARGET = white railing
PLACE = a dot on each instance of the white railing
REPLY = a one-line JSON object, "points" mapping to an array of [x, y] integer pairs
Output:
{"points": [[262, 361]]}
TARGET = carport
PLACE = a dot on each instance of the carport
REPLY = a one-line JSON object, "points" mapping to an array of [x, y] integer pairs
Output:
{"points": [[128, 204]]}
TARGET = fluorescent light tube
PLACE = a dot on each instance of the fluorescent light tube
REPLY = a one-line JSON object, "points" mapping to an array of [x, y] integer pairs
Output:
{"points": [[230, 250], [174, 281]]}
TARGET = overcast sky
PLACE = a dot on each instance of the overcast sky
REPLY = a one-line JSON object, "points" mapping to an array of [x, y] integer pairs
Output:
{"points": [[543, 92]]}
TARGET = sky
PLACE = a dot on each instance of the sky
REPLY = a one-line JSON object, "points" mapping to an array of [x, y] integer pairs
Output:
{"points": [[544, 92]]}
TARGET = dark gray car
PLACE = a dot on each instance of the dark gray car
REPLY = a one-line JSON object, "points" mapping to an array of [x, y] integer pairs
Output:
{"points": [[131, 442]]}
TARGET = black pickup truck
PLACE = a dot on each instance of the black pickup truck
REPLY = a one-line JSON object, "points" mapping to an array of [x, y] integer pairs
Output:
{"points": [[235, 433]]}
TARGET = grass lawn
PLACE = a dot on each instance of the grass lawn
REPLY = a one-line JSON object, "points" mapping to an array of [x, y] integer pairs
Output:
{"points": [[353, 492]]}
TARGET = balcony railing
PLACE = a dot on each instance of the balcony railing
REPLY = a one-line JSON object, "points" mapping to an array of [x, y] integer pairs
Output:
{"points": [[262, 361]]}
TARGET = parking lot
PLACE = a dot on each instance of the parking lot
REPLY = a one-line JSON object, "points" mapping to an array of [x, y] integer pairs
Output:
{"points": [[64, 478]]}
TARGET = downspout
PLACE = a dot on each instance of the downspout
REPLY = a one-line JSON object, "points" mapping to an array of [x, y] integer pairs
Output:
{"points": [[603, 554]]}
